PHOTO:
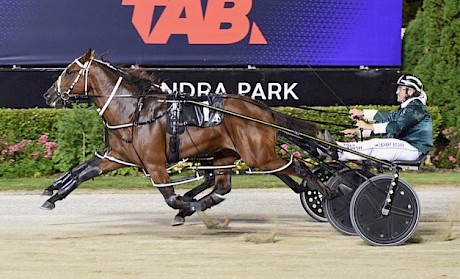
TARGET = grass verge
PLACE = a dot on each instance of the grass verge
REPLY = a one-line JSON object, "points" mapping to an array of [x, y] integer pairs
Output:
{"points": [[416, 179]]}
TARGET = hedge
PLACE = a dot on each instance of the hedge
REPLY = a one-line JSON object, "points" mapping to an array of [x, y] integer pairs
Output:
{"points": [[431, 51], [78, 133]]}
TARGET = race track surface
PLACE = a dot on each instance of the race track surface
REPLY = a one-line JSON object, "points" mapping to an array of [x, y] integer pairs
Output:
{"points": [[260, 234]]}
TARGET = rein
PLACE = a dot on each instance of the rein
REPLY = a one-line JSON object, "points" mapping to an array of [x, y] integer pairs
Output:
{"points": [[289, 131], [326, 112], [329, 88], [323, 110]]}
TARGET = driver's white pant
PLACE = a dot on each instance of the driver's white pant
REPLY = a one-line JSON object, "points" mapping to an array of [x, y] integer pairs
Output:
{"points": [[383, 149]]}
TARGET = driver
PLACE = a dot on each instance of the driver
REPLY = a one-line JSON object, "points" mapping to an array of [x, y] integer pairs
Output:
{"points": [[407, 131]]}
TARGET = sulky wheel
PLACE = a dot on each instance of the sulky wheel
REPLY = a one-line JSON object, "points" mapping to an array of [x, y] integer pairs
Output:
{"points": [[312, 200], [384, 230], [338, 209]]}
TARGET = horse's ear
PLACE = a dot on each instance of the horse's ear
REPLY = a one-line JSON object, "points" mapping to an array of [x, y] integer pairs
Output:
{"points": [[88, 55]]}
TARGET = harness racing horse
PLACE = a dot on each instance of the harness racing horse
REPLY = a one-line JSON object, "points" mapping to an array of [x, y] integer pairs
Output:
{"points": [[134, 110]]}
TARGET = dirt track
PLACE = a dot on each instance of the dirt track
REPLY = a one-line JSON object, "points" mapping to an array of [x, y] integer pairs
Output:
{"points": [[127, 235]]}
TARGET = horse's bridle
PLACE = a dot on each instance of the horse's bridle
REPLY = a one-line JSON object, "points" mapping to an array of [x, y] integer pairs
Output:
{"points": [[84, 69]]}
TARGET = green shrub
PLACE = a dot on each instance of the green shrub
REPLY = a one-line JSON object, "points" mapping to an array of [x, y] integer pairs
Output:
{"points": [[79, 133], [21, 124], [447, 154], [431, 50]]}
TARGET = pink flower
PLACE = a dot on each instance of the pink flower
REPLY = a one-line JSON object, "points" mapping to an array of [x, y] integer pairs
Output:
{"points": [[458, 146], [297, 154], [284, 148], [17, 147], [43, 139], [13, 149], [452, 159], [22, 144], [49, 147], [36, 154]]}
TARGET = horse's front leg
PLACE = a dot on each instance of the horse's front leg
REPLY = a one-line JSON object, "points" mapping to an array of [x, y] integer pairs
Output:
{"points": [[67, 177], [160, 179], [94, 167]]}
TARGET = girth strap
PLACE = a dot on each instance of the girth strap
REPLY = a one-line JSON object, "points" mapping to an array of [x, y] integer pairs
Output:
{"points": [[175, 127]]}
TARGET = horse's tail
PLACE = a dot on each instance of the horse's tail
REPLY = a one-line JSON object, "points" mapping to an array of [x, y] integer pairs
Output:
{"points": [[298, 125]]}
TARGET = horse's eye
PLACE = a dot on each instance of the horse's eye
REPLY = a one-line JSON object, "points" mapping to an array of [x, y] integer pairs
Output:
{"points": [[68, 72]]}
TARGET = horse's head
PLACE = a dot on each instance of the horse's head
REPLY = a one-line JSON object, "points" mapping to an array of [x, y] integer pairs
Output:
{"points": [[72, 82]]}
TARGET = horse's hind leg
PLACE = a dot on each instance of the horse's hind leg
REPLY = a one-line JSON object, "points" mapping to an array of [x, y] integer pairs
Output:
{"points": [[222, 186], [306, 174], [314, 182], [271, 161], [208, 183], [296, 187], [190, 197]]}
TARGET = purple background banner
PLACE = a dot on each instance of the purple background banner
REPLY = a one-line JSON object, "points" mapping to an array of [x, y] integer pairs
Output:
{"points": [[203, 32]]}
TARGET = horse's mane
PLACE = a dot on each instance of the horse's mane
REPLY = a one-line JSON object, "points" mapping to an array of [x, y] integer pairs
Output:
{"points": [[137, 77]]}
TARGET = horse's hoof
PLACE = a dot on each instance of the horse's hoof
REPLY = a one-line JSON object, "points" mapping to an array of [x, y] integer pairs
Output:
{"points": [[47, 193], [48, 205], [177, 221]]}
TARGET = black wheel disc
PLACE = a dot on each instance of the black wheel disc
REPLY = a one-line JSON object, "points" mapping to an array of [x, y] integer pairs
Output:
{"points": [[312, 200], [384, 230], [338, 209]]}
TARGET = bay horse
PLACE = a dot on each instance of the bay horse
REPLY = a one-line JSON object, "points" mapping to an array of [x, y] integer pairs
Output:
{"points": [[135, 118]]}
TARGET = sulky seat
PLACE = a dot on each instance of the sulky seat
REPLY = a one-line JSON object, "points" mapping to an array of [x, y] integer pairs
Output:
{"points": [[410, 165]]}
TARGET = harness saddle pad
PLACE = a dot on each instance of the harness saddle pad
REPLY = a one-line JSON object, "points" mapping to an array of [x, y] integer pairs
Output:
{"points": [[196, 115]]}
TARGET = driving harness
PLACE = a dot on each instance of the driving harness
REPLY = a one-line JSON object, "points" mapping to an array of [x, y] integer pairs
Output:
{"points": [[182, 114]]}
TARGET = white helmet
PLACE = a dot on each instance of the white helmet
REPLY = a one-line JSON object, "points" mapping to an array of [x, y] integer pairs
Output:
{"points": [[411, 81]]}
